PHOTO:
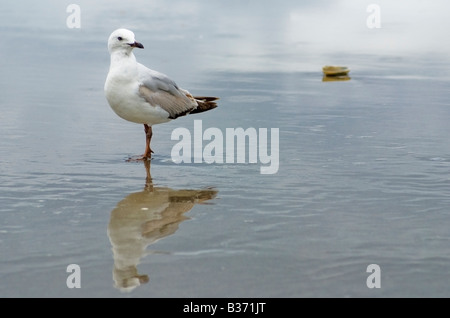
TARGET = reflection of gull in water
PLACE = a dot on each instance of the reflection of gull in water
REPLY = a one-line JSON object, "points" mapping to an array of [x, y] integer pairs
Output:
{"points": [[142, 218]]}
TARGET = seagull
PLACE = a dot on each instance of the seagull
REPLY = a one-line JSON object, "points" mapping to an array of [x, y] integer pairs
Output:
{"points": [[144, 96]]}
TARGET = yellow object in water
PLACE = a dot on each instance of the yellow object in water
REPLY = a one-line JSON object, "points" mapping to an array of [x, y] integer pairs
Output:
{"points": [[335, 70]]}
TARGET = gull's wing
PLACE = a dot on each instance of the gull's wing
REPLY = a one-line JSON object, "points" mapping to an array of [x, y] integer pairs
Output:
{"points": [[159, 90]]}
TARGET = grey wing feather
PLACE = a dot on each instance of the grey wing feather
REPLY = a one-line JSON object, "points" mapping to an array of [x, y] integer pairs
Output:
{"points": [[159, 90], [155, 80]]}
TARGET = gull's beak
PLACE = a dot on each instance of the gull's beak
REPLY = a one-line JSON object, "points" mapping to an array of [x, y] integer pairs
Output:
{"points": [[136, 44]]}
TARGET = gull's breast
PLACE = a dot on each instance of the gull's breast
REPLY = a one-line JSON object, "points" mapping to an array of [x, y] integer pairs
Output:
{"points": [[125, 100]]}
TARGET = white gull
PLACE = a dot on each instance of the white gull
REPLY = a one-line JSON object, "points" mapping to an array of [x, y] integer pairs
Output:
{"points": [[144, 96]]}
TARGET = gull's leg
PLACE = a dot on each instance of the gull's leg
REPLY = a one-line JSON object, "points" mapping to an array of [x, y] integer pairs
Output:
{"points": [[148, 138]]}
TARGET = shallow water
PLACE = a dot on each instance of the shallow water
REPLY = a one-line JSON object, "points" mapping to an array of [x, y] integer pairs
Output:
{"points": [[363, 164]]}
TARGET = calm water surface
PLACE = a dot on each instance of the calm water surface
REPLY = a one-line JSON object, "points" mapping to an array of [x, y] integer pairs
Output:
{"points": [[363, 164]]}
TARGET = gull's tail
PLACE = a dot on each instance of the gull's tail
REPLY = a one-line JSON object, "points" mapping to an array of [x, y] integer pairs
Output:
{"points": [[204, 104]]}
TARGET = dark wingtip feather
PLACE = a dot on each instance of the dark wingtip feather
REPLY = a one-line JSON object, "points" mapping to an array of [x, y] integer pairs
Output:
{"points": [[205, 103]]}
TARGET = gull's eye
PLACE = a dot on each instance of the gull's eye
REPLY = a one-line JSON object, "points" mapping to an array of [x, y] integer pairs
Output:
{"points": [[120, 38]]}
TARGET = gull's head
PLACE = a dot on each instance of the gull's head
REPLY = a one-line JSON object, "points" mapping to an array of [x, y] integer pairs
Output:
{"points": [[122, 40]]}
